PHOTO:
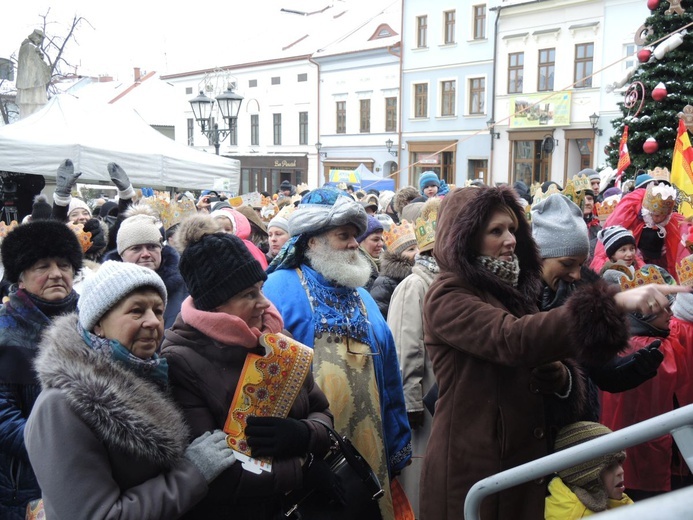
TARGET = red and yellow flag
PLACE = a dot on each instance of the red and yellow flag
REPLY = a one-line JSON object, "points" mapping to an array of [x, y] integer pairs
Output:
{"points": [[623, 156], [682, 167]]}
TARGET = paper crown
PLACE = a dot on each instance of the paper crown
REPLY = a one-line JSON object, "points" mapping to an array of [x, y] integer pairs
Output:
{"points": [[659, 200], [684, 271], [83, 237], [660, 174], [534, 188], [4, 228], [399, 235], [647, 274], [302, 187], [253, 199], [605, 209], [170, 212], [540, 195], [268, 211], [425, 231]]}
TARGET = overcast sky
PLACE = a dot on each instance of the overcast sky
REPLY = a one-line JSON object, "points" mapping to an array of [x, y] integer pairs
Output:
{"points": [[156, 35]]}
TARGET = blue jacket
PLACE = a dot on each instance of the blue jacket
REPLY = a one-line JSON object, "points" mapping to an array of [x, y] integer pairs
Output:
{"points": [[21, 324], [169, 273], [284, 289]]}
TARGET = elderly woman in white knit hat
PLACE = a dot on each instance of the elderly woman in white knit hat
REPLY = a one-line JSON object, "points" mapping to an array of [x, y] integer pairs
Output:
{"points": [[139, 241], [104, 437]]}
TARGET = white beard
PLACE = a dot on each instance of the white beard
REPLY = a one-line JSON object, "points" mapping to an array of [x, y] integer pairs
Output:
{"points": [[347, 267]]}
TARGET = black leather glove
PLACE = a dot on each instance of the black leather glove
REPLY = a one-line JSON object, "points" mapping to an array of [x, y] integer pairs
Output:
{"points": [[119, 177], [277, 437], [627, 372], [319, 477], [99, 239], [416, 419], [551, 378], [65, 178]]}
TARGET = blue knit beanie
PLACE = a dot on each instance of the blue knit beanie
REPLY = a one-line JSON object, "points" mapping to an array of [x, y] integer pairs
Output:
{"points": [[373, 225], [428, 178]]}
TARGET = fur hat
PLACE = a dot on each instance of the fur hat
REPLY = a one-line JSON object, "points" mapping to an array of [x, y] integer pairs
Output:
{"points": [[215, 266], [41, 209], [373, 226], [403, 197], [428, 178], [614, 238], [76, 203], [137, 229], [28, 243], [559, 229], [585, 479], [112, 282]]}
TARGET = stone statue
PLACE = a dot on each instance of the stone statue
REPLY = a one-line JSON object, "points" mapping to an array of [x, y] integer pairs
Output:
{"points": [[33, 75]]}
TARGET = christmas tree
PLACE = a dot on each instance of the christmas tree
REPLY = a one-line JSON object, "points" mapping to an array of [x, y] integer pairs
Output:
{"points": [[668, 65]]}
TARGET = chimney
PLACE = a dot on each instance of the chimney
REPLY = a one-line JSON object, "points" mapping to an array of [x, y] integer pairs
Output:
{"points": [[138, 75]]}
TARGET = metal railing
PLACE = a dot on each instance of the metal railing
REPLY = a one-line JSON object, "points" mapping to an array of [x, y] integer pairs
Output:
{"points": [[679, 423]]}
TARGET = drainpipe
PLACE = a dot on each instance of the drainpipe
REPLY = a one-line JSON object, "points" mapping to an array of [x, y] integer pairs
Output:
{"points": [[321, 171]]}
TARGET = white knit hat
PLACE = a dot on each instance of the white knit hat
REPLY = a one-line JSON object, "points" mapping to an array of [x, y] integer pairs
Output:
{"points": [[110, 284], [76, 203], [136, 230]]}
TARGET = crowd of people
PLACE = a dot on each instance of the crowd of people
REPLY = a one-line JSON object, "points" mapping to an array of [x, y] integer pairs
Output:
{"points": [[449, 333]]}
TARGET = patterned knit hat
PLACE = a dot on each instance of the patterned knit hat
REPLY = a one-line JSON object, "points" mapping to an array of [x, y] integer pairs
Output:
{"points": [[585, 479], [215, 266], [136, 230], [614, 238], [112, 282]]}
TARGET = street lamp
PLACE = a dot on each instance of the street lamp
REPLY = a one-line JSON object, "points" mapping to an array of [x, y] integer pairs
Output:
{"points": [[229, 104], [594, 121], [318, 147], [389, 144]]}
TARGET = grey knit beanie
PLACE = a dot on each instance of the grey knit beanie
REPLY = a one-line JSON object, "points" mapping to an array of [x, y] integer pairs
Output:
{"points": [[112, 282], [559, 229], [136, 230]]}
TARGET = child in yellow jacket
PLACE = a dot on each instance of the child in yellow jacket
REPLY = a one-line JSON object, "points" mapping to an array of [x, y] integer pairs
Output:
{"points": [[588, 488]]}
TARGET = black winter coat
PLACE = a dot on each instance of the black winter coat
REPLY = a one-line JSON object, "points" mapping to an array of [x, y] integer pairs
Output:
{"points": [[393, 269]]}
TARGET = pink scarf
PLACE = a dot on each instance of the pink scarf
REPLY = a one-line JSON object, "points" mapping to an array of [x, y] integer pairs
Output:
{"points": [[229, 329]]}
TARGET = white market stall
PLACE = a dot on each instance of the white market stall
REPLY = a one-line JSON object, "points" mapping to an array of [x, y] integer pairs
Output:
{"points": [[94, 134]]}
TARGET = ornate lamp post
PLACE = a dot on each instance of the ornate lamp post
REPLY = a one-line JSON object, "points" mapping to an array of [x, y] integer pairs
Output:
{"points": [[229, 104]]}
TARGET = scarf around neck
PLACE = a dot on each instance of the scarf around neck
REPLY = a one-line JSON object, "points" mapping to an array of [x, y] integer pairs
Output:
{"points": [[51, 308], [509, 272], [227, 328], [154, 369]]}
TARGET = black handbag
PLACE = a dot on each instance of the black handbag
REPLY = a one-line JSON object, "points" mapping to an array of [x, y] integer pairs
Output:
{"points": [[361, 486]]}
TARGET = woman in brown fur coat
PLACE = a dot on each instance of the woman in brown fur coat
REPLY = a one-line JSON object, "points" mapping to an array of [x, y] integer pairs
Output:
{"points": [[485, 335]]}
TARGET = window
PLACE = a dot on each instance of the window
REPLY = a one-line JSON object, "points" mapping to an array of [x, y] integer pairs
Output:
{"points": [[277, 128], [191, 132], [365, 116], [547, 63], [479, 17], [233, 132], [254, 129], [530, 163], [341, 117], [188, 90], [421, 100], [252, 83], [449, 17], [276, 80], [629, 51], [303, 128], [302, 77], [391, 114], [421, 31], [516, 68], [477, 93], [584, 54], [447, 98]]}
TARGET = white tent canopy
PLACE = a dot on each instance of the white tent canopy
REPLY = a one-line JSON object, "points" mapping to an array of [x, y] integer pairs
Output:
{"points": [[94, 134]]}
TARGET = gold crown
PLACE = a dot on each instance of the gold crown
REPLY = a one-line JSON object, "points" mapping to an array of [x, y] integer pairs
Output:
{"points": [[83, 237], [170, 212], [647, 274], [684, 271], [535, 187], [659, 174], [425, 231], [4, 228], [659, 200], [605, 209], [399, 235], [581, 182], [302, 187], [540, 195]]}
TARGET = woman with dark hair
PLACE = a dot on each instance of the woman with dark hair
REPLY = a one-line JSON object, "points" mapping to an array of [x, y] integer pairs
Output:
{"points": [[485, 335]]}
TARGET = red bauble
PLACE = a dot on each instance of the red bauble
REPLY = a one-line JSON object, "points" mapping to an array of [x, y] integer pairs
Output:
{"points": [[652, 4], [644, 55], [607, 150], [659, 92], [651, 145]]}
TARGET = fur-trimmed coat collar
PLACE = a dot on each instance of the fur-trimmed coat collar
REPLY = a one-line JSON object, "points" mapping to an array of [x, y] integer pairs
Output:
{"points": [[123, 410], [395, 266], [463, 214]]}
